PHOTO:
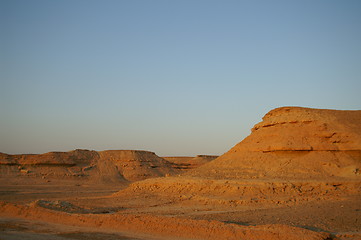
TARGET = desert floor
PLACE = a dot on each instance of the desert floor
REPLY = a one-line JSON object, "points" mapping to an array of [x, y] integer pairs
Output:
{"points": [[338, 215]]}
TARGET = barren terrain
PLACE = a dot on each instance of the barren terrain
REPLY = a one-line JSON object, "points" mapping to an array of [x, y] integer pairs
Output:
{"points": [[296, 176]]}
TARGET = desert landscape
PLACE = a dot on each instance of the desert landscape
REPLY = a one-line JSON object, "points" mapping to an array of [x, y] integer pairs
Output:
{"points": [[296, 176]]}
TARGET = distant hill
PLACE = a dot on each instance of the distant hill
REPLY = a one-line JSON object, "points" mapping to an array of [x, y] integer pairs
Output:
{"points": [[112, 165]]}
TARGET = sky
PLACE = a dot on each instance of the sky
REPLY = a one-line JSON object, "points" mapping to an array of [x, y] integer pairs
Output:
{"points": [[178, 78]]}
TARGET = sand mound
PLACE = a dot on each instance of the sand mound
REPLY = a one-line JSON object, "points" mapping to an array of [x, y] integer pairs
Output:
{"points": [[294, 142], [115, 165]]}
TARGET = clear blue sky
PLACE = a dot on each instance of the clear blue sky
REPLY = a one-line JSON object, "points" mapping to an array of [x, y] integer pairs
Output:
{"points": [[174, 77]]}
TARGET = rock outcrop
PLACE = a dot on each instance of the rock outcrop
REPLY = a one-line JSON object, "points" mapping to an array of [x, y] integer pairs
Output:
{"points": [[294, 142], [305, 129], [137, 165], [113, 165]]}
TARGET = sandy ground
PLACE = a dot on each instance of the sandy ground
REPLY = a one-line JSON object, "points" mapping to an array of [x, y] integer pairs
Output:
{"points": [[336, 215], [16, 229], [27, 190]]}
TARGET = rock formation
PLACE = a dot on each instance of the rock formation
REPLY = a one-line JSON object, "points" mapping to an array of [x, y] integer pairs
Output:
{"points": [[294, 142], [137, 165], [305, 129], [113, 165]]}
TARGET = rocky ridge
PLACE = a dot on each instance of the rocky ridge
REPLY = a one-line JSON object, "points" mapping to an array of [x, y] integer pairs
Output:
{"points": [[112, 165]]}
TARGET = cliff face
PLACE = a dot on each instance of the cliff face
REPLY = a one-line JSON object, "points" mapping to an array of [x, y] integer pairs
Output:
{"points": [[295, 142], [305, 129], [116, 165]]}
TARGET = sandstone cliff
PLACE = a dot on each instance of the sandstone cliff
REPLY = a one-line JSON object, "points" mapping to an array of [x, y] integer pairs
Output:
{"points": [[294, 142], [305, 129]]}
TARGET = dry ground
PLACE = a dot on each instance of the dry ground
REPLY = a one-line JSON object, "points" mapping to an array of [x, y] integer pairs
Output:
{"points": [[334, 213]]}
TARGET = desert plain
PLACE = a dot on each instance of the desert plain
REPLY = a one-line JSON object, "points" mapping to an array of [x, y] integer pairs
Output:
{"points": [[296, 176]]}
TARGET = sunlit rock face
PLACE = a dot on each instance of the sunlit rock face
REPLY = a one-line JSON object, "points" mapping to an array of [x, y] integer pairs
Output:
{"points": [[295, 142], [305, 129]]}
